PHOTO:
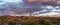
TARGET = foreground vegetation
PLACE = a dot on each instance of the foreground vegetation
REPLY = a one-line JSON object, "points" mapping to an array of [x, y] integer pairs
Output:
{"points": [[24, 20]]}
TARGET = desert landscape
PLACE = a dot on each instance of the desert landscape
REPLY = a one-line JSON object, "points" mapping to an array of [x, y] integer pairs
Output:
{"points": [[29, 12], [25, 20]]}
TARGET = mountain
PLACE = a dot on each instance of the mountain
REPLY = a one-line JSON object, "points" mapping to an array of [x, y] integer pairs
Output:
{"points": [[51, 14]]}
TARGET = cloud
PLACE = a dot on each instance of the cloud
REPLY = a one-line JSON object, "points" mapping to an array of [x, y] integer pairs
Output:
{"points": [[10, 1], [49, 2], [24, 8]]}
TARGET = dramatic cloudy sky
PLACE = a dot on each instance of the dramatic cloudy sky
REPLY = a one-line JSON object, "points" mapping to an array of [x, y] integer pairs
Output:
{"points": [[35, 6]]}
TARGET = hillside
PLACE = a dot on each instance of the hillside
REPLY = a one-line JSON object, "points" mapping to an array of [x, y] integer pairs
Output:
{"points": [[25, 20]]}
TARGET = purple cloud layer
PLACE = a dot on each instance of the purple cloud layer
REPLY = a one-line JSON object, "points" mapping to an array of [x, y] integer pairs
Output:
{"points": [[24, 8]]}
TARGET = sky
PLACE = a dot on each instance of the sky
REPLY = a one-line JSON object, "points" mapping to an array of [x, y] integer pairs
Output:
{"points": [[10, 1], [4, 2], [18, 7]]}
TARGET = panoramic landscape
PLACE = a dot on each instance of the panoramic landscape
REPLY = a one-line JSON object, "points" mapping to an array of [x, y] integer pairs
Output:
{"points": [[29, 12]]}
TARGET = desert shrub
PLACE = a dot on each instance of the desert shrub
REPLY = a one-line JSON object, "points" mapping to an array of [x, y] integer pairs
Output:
{"points": [[44, 22], [29, 23]]}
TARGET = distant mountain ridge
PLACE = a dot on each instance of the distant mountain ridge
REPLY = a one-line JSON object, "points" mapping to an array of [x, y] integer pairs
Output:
{"points": [[51, 14]]}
